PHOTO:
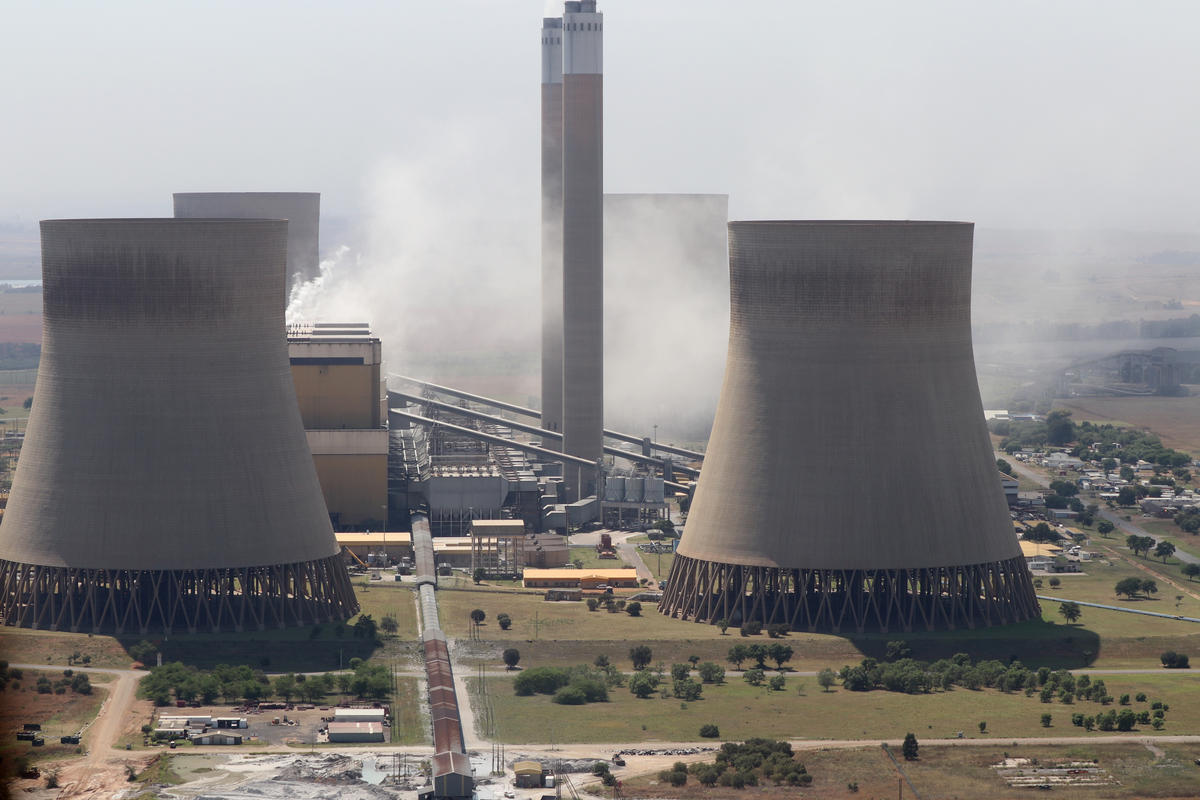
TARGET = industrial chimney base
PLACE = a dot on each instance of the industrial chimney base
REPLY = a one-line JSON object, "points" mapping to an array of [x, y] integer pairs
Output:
{"points": [[858, 600], [191, 600]]}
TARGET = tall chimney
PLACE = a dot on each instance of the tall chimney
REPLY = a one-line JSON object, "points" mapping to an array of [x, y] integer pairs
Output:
{"points": [[583, 242], [552, 228]]}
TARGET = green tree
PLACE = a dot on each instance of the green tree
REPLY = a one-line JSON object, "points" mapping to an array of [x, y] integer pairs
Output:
{"points": [[759, 653], [1004, 466], [1059, 427], [780, 653], [478, 616], [1070, 611], [776, 683], [910, 747], [504, 621], [737, 654], [1148, 587], [641, 656], [285, 686], [754, 677], [983, 727], [1128, 587], [389, 625], [512, 657], [479, 575], [1046, 720], [723, 625], [826, 678], [634, 609], [1191, 570], [711, 672], [643, 684], [1104, 528], [1164, 550], [28, 404], [1127, 496], [365, 627]]}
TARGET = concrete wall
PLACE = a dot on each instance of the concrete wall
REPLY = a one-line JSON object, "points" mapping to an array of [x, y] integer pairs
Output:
{"points": [[302, 210], [354, 487], [337, 395], [166, 433], [849, 365]]}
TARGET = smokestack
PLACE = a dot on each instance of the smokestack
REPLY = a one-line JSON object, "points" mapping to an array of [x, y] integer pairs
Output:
{"points": [[583, 243], [552, 227], [849, 481]]}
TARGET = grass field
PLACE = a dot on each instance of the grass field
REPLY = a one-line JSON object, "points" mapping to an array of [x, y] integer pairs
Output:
{"points": [[959, 772], [563, 632], [295, 649], [409, 724], [1175, 420], [591, 560], [58, 714], [742, 711]]}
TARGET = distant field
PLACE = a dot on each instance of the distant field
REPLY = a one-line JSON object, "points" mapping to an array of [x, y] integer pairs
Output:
{"points": [[58, 714], [1175, 420], [742, 711], [943, 772]]}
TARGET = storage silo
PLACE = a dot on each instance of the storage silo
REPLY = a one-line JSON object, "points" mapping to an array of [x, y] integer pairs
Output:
{"points": [[165, 481], [849, 482], [302, 210]]}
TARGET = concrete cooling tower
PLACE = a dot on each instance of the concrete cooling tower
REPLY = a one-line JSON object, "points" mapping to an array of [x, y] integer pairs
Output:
{"points": [[849, 483], [302, 210], [165, 482]]}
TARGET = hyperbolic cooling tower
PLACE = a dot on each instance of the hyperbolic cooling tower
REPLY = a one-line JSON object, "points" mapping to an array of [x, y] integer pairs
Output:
{"points": [[849, 481], [302, 210], [552, 228], [165, 481], [583, 243]]}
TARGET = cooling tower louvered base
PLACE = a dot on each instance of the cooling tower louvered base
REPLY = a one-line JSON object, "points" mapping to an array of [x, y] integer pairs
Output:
{"points": [[934, 598], [225, 599]]}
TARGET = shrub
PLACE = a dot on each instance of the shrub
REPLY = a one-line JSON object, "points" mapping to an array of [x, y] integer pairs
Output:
{"points": [[592, 604], [1124, 700], [677, 778], [680, 671], [1055, 583], [776, 683], [570, 696], [1141, 697], [910, 748], [687, 689], [709, 732], [1173, 660], [753, 628], [754, 677], [634, 609], [541, 680], [504, 621], [778, 630], [511, 656], [711, 672], [640, 656], [1046, 720]]}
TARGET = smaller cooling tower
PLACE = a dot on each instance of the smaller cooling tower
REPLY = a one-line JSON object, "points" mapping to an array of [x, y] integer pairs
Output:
{"points": [[165, 481], [302, 210], [849, 481]]}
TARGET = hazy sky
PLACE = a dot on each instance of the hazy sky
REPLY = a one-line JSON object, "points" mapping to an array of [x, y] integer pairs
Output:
{"points": [[1016, 114]]}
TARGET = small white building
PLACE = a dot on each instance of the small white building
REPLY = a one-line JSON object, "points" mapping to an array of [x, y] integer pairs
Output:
{"points": [[216, 737], [355, 732]]}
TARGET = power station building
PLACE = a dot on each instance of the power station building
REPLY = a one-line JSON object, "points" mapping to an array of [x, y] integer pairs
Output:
{"points": [[165, 482], [850, 365], [342, 397], [302, 210]]}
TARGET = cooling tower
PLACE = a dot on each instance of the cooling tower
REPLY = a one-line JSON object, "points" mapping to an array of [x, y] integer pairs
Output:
{"points": [[165, 481], [849, 482], [302, 210], [583, 243], [552, 228]]}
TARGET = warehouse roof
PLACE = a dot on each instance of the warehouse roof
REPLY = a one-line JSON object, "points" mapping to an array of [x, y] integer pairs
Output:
{"points": [[391, 538], [1030, 549], [578, 574], [527, 767], [355, 727]]}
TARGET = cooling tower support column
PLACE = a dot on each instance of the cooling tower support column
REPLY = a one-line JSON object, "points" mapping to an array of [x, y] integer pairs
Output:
{"points": [[552, 227], [849, 482], [583, 243], [165, 482]]}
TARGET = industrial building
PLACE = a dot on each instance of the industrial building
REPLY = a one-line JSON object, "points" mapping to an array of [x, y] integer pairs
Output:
{"points": [[165, 481], [504, 547], [850, 364], [342, 397], [586, 579], [355, 732], [302, 210]]}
